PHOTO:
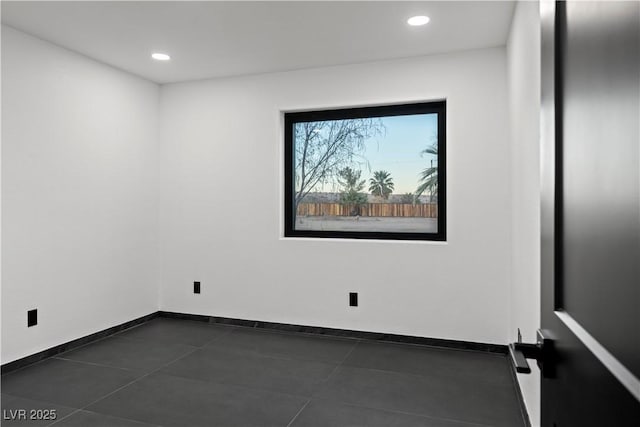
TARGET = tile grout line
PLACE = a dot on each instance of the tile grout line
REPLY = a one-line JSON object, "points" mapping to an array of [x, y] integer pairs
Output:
{"points": [[325, 381], [471, 424], [281, 356], [26, 366], [113, 335], [204, 347], [341, 363], [216, 338], [357, 342], [192, 350], [413, 414], [417, 375], [65, 417], [124, 386], [299, 412], [101, 365]]}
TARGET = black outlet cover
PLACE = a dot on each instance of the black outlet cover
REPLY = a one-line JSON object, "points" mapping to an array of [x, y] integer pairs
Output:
{"points": [[196, 287], [32, 318], [353, 299]]}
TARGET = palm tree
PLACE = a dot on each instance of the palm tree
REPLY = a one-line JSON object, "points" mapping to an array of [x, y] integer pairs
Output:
{"points": [[381, 184], [429, 176]]}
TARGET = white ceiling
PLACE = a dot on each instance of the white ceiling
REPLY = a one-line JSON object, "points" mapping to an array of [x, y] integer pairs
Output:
{"points": [[215, 38]]}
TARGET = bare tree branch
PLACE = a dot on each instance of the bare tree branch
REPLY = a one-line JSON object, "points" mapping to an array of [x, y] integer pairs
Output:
{"points": [[323, 148]]}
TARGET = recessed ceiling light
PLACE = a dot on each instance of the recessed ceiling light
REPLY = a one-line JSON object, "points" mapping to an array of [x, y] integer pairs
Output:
{"points": [[416, 21], [160, 56]]}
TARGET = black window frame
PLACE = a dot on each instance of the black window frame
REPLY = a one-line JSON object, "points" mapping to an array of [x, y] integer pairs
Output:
{"points": [[291, 118]]}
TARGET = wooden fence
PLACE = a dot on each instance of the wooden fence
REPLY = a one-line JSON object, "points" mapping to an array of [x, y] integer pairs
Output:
{"points": [[425, 210]]}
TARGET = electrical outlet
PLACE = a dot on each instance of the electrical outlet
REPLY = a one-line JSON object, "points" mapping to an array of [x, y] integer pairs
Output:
{"points": [[353, 299], [32, 318], [196, 287]]}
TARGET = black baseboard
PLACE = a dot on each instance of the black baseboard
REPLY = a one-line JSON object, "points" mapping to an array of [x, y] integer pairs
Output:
{"points": [[375, 336], [333, 332], [20, 363], [523, 406]]}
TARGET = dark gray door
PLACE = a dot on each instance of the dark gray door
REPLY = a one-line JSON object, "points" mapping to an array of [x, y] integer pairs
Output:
{"points": [[591, 212]]}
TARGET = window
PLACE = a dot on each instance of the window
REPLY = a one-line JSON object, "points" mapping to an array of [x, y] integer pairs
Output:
{"points": [[366, 173]]}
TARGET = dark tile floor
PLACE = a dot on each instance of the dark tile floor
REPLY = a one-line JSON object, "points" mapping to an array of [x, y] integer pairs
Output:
{"points": [[187, 374]]}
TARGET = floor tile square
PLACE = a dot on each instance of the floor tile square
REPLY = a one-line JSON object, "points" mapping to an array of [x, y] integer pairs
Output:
{"points": [[231, 366], [145, 356], [319, 413], [173, 401], [469, 401], [176, 331], [64, 382], [292, 345], [423, 360]]}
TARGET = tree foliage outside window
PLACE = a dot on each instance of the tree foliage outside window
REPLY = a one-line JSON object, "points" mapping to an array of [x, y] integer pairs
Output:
{"points": [[381, 184], [352, 187], [429, 176], [324, 148]]}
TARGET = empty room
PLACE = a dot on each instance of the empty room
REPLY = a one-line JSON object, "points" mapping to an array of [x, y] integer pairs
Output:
{"points": [[320, 213]]}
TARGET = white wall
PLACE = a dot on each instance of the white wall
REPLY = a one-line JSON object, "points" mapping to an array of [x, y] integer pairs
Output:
{"points": [[221, 146], [523, 64], [79, 195]]}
